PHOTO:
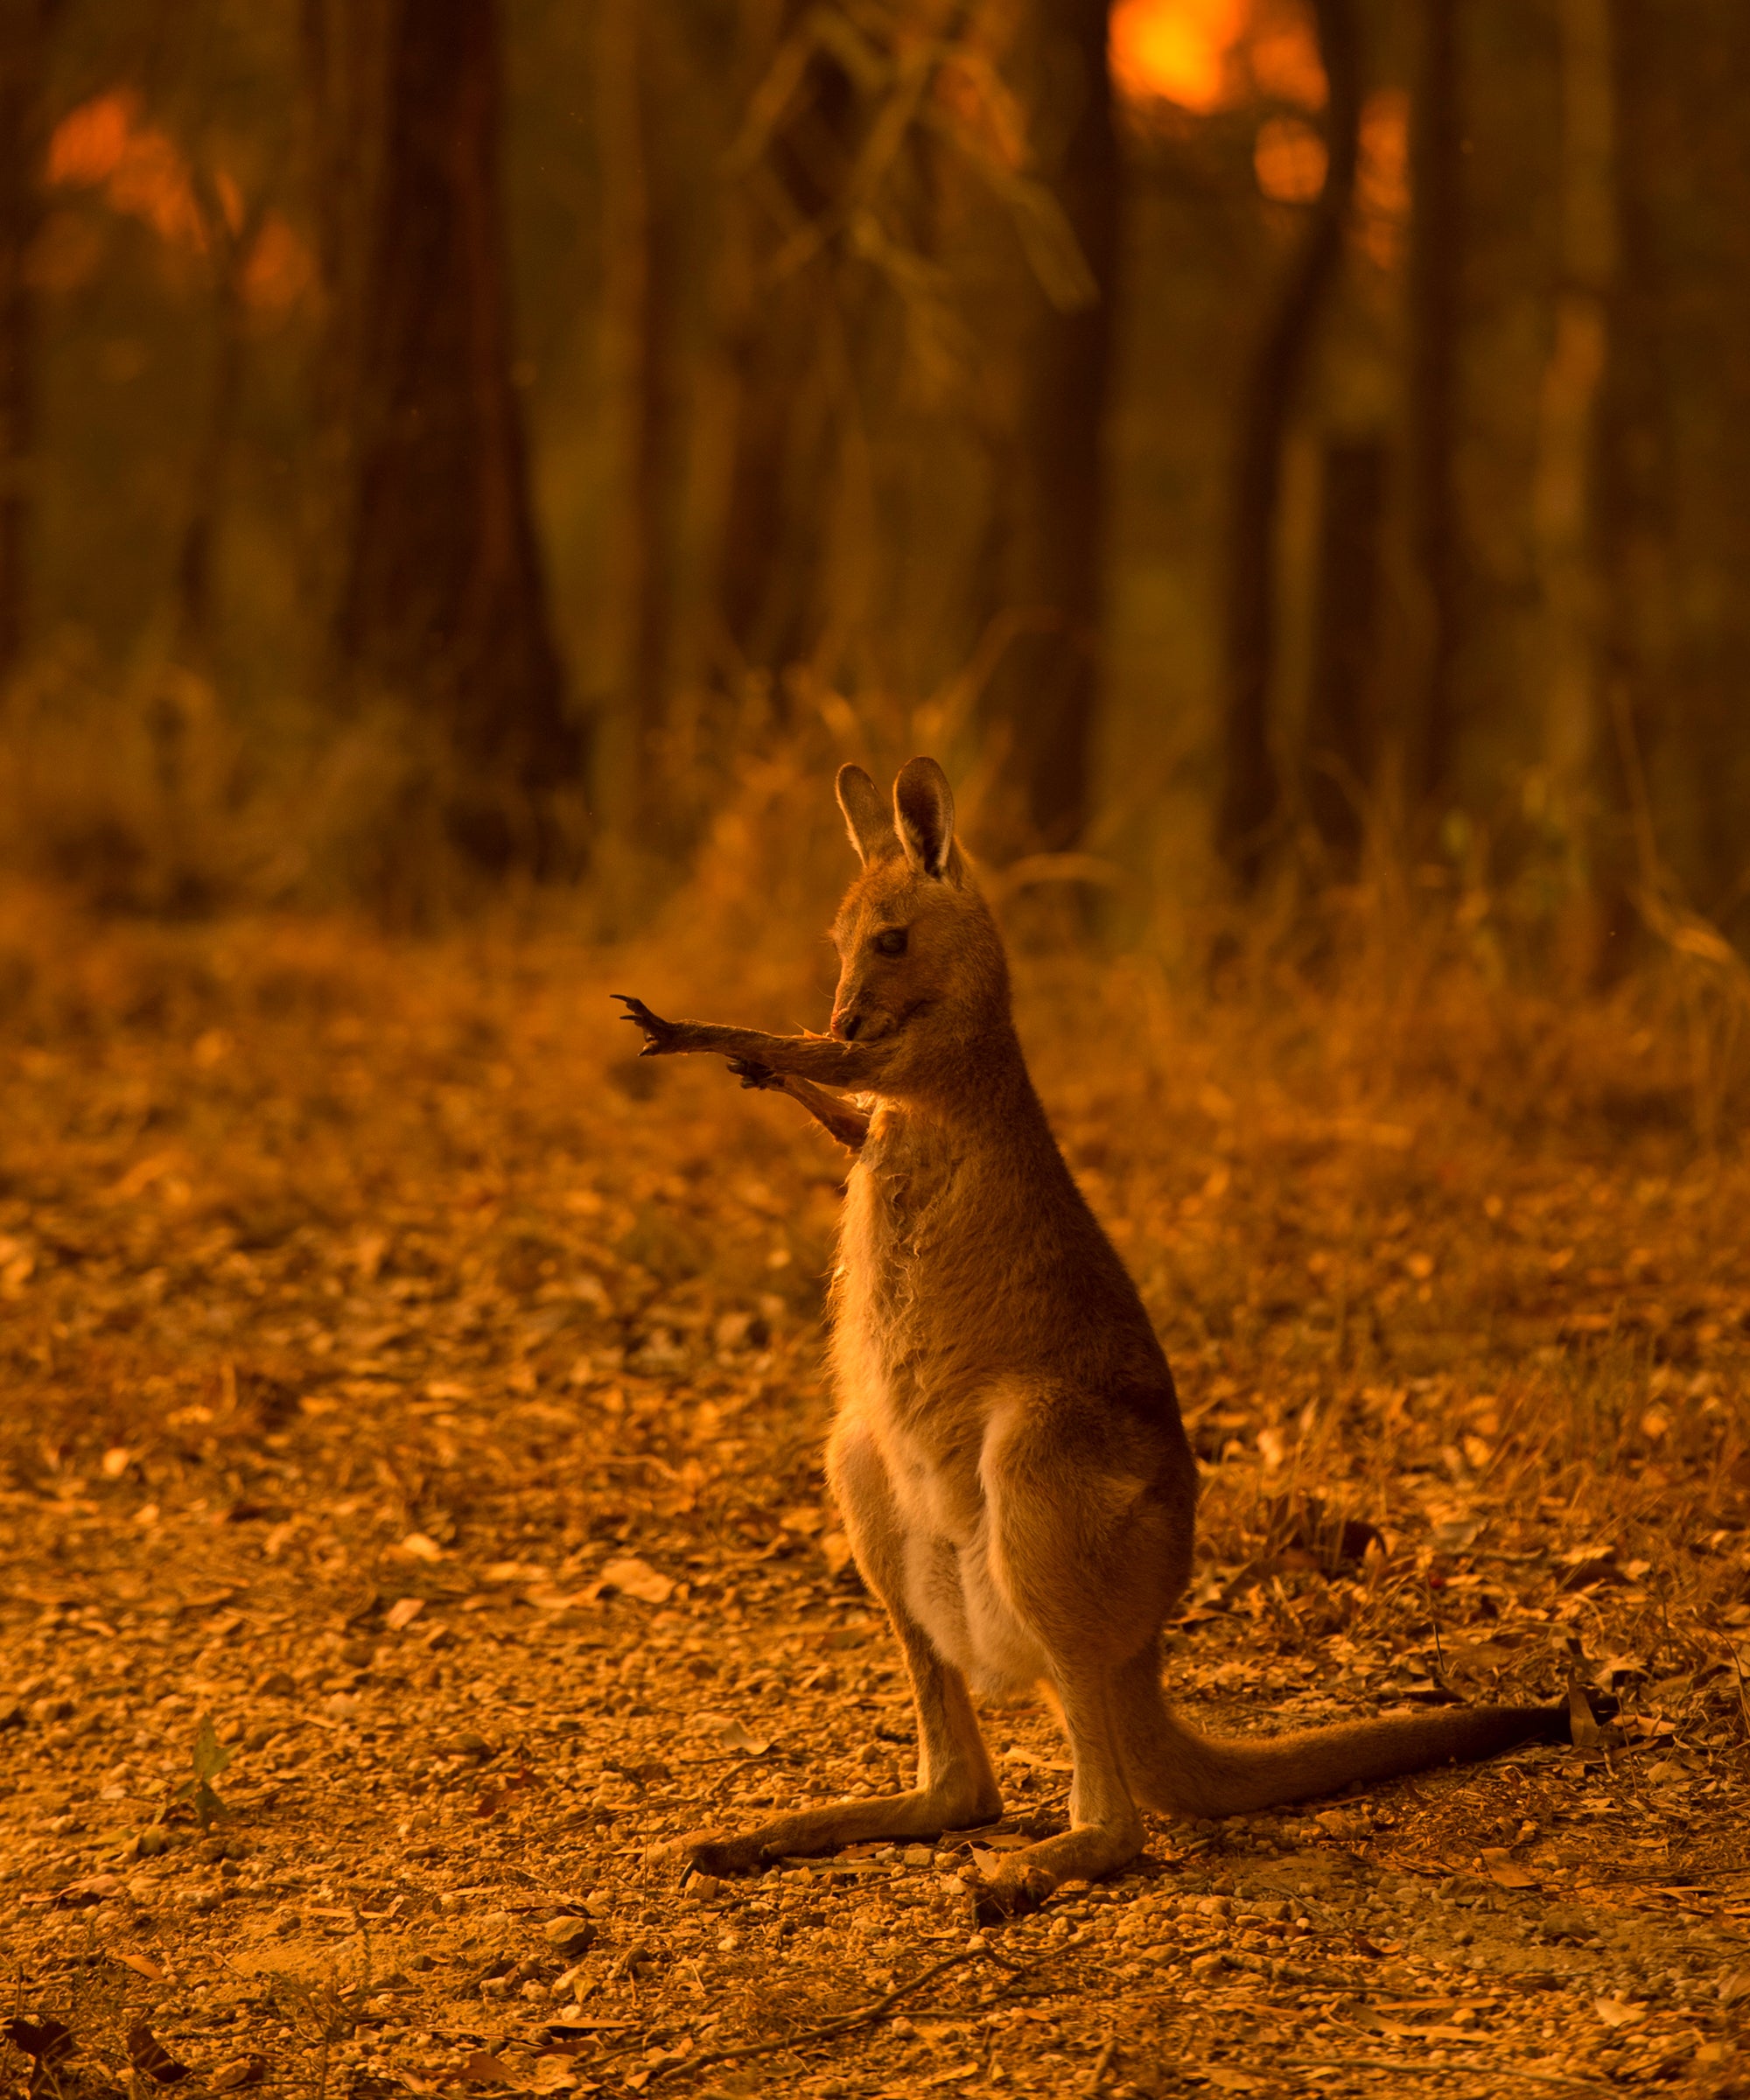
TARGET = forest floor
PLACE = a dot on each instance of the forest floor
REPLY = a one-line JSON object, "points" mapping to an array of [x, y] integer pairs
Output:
{"points": [[401, 1379]]}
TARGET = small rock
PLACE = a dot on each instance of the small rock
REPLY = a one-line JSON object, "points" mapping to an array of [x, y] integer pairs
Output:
{"points": [[278, 1684], [569, 1935], [1208, 1965]]}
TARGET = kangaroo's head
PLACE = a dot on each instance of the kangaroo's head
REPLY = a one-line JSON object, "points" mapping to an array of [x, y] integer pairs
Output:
{"points": [[921, 962]]}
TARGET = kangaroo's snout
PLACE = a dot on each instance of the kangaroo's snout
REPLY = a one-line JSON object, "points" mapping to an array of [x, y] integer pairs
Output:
{"points": [[845, 1025]]}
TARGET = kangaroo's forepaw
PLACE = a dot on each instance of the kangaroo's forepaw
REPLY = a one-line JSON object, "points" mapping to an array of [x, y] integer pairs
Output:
{"points": [[1010, 1895], [752, 1073], [660, 1036]]}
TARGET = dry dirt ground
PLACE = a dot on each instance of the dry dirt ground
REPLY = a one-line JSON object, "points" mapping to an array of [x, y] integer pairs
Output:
{"points": [[403, 1382]]}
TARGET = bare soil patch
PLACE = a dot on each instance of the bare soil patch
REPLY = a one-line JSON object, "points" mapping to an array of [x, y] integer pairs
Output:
{"points": [[403, 1379]]}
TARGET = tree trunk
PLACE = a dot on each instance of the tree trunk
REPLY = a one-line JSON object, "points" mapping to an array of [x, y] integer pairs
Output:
{"points": [[1048, 688], [774, 581], [232, 251], [1435, 296], [1250, 809], [24, 41], [1564, 515], [643, 416], [443, 603], [1342, 742]]}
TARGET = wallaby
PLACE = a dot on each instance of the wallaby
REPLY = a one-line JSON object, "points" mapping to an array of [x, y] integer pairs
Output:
{"points": [[1008, 1455]]}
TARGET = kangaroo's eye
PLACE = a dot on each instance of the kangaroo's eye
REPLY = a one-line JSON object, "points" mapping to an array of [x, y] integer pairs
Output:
{"points": [[890, 941]]}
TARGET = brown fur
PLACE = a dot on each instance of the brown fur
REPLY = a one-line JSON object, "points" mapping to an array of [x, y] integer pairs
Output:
{"points": [[1008, 1454]]}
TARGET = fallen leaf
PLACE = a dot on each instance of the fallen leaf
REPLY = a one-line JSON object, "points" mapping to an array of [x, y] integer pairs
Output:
{"points": [[480, 2068], [1581, 1724], [733, 1735], [93, 1889], [637, 1579], [46, 2040], [148, 2055], [402, 1612], [1504, 1869], [237, 2072], [142, 1966], [549, 1599], [805, 1520], [1615, 2013], [418, 1546], [1038, 1763], [1230, 2081]]}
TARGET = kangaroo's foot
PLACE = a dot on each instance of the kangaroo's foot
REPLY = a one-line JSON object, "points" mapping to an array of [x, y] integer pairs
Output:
{"points": [[1085, 1852], [917, 1814]]}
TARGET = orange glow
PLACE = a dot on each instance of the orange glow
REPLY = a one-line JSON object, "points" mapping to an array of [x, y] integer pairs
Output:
{"points": [[1178, 50], [280, 269], [1288, 160], [1282, 56], [104, 144], [1205, 55], [1382, 179]]}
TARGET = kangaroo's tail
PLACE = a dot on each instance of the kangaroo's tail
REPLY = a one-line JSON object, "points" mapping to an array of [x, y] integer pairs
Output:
{"points": [[1175, 1770]]}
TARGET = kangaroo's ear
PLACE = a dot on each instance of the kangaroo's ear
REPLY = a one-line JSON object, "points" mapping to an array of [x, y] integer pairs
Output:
{"points": [[923, 811], [865, 815]]}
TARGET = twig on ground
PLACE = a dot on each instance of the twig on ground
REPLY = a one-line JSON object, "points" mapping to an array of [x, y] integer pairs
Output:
{"points": [[1494, 2072], [826, 2032], [1102, 2063]]}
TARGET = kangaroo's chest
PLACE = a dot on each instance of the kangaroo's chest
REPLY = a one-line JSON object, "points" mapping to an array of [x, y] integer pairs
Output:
{"points": [[899, 1343], [901, 1233]]}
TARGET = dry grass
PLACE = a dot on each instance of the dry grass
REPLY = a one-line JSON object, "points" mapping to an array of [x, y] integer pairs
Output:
{"points": [[340, 1272]]}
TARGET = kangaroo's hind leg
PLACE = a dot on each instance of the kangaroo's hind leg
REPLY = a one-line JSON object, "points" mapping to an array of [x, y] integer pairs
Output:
{"points": [[1089, 1522], [955, 1787]]}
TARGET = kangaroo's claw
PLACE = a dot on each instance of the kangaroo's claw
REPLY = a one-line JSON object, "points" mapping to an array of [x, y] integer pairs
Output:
{"points": [[1012, 1895], [659, 1035], [752, 1073], [715, 1853]]}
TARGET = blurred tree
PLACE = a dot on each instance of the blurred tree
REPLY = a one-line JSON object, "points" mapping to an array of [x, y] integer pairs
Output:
{"points": [[24, 26], [641, 214], [1435, 301], [1050, 571], [231, 232], [442, 603], [1250, 812], [1673, 742], [794, 313], [1340, 743]]}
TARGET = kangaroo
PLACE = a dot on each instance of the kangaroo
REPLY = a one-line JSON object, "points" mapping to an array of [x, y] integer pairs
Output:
{"points": [[1008, 1455]]}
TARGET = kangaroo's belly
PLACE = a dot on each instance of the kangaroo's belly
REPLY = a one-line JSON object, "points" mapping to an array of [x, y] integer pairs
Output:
{"points": [[915, 1393], [935, 1527]]}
